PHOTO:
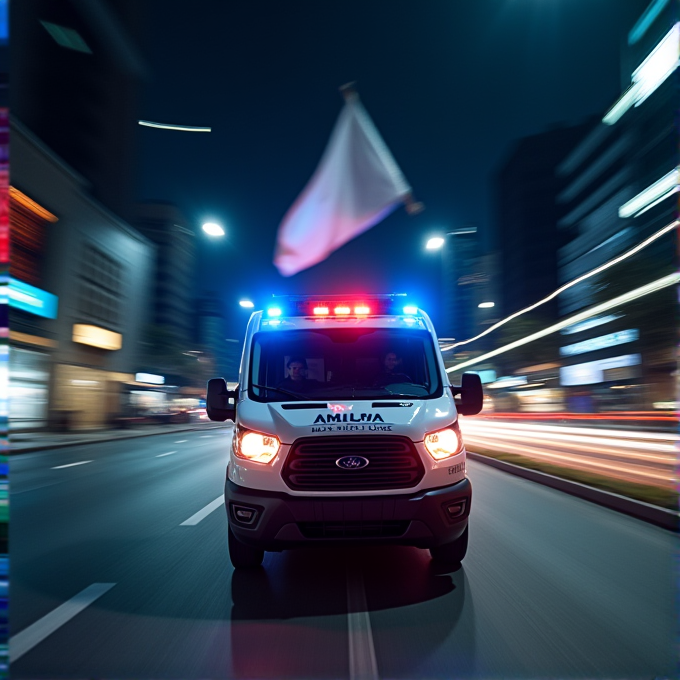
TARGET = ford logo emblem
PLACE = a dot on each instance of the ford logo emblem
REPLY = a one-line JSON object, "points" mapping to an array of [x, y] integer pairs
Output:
{"points": [[352, 462]]}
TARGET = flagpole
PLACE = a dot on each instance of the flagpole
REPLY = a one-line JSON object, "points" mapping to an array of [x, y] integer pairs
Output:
{"points": [[350, 94]]}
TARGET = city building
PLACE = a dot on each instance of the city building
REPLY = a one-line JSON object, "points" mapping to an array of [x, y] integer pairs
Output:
{"points": [[80, 274], [621, 184], [78, 293], [460, 254], [174, 297], [79, 68]]}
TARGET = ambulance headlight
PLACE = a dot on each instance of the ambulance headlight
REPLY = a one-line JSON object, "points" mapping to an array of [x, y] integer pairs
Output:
{"points": [[260, 448], [444, 443]]}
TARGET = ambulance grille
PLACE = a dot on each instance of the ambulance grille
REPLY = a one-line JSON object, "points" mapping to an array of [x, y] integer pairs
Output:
{"points": [[393, 463]]}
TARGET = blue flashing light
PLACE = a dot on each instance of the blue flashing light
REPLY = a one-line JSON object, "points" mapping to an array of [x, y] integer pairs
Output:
{"points": [[274, 311], [410, 309]]}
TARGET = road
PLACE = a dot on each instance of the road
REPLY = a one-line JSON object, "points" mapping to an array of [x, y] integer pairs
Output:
{"points": [[108, 580]]}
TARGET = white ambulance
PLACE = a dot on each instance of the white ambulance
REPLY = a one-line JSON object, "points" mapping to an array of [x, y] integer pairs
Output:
{"points": [[346, 430]]}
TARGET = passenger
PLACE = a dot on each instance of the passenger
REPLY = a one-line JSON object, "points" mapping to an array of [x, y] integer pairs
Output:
{"points": [[389, 374], [297, 380]]}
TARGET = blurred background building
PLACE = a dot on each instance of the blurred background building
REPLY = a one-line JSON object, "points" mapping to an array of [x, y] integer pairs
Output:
{"points": [[570, 200], [75, 330], [622, 182]]}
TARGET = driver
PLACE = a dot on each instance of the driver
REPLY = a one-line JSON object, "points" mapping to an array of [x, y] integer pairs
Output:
{"points": [[297, 380], [389, 373]]}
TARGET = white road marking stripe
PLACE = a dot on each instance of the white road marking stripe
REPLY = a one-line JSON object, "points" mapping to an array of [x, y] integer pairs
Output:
{"points": [[169, 453], [362, 661], [181, 441], [28, 638], [201, 514], [82, 462], [205, 436]]}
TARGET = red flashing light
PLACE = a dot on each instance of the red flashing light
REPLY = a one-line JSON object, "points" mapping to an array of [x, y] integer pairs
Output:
{"points": [[320, 311], [361, 310], [342, 310]]}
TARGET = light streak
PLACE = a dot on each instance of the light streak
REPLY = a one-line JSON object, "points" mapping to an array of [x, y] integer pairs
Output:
{"points": [[586, 464], [181, 128], [663, 187], [29, 203], [645, 457], [583, 277], [634, 294], [647, 77]]}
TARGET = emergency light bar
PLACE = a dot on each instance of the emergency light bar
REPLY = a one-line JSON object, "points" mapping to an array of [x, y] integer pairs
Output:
{"points": [[341, 305]]}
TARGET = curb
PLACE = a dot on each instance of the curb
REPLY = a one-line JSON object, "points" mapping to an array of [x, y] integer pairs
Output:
{"points": [[131, 435], [667, 519]]}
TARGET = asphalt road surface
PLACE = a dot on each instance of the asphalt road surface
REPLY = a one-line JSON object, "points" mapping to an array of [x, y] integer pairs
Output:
{"points": [[119, 569]]}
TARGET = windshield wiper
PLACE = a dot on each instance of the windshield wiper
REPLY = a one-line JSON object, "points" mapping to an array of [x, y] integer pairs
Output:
{"points": [[281, 391]]}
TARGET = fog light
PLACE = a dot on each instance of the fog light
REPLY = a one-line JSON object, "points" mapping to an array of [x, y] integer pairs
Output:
{"points": [[456, 509], [243, 514]]}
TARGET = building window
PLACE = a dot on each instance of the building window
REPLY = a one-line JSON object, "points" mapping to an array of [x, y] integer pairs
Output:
{"points": [[101, 282]]}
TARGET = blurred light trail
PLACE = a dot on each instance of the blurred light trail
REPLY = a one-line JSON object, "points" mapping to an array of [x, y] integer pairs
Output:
{"points": [[181, 128], [634, 294], [583, 277], [633, 416], [641, 457], [659, 190], [246, 303]]}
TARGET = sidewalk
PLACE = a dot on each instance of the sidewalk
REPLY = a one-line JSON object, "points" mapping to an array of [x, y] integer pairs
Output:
{"points": [[38, 441]]}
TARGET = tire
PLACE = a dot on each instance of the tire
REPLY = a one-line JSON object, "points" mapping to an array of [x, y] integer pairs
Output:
{"points": [[451, 553], [242, 556]]}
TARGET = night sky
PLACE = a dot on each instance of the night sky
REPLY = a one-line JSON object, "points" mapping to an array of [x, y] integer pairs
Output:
{"points": [[449, 84]]}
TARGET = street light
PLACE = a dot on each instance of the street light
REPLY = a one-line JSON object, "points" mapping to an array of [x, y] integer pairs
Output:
{"points": [[246, 303], [435, 243], [213, 229]]}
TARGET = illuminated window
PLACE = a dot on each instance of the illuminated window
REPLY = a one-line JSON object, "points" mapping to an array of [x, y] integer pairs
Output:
{"points": [[100, 287]]}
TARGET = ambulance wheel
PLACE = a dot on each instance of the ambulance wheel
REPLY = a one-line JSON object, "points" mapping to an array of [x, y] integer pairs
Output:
{"points": [[451, 553], [242, 556]]}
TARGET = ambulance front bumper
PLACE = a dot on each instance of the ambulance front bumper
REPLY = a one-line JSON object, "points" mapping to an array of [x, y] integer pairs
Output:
{"points": [[276, 520]]}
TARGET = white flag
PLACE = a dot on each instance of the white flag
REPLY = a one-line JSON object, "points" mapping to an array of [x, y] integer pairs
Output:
{"points": [[356, 184]]}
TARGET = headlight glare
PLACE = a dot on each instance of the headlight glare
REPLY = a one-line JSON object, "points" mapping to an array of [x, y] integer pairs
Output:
{"points": [[444, 443], [261, 448]]}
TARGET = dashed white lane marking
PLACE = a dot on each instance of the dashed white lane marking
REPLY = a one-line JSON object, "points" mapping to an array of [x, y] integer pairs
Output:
{"points": [[82, 462], [181, 441], [201, 514], [362, 661], [205, 436], [169, 453], [29, 637]]}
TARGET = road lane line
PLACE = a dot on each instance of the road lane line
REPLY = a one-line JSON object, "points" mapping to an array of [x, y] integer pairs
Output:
{"points": [[362, 661], [169, 453], [205, 436], [29, 637], [82, 462], [201, 514], [181, 441]]}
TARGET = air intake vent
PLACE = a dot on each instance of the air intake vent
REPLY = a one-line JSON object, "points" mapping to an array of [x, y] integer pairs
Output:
{"points": [[369, 529]]}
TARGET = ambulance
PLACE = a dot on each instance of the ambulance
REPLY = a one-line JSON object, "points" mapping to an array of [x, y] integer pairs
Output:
{"points": [[345, 431]]}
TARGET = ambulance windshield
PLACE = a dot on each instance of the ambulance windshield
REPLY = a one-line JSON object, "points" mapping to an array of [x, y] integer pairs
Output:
{"points": [[352, 363]]}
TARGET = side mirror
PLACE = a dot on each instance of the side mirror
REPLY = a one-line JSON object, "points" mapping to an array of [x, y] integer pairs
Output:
{"points": [[471, 395], [220, 402]]}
